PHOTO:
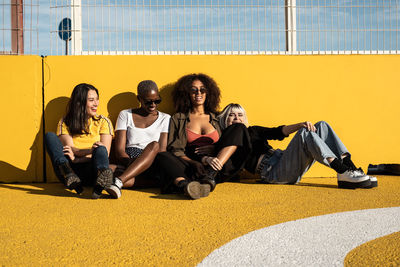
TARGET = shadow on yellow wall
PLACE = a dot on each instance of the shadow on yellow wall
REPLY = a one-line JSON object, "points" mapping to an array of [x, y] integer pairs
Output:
{"points": [[357, 95], [54, 111], [167, 104], [17, 173], [120, 102]]}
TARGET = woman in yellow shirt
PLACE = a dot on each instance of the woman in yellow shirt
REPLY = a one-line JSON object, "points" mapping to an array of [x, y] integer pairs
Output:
{"points": [[80, 149]]}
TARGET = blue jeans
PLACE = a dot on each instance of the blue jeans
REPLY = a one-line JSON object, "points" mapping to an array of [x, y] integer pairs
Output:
{"points": [[86, 171], [306, 147]]}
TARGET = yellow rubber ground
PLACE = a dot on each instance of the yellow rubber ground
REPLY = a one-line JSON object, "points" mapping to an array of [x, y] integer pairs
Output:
{"points": [[44, 224], [384, 251]]}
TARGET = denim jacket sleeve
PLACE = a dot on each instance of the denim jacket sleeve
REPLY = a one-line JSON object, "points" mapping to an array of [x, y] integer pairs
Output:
{"points": [[177, 138]]}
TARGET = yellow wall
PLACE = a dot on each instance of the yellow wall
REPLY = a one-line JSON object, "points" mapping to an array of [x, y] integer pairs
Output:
{"points": [[357, 95], [21, 158]]}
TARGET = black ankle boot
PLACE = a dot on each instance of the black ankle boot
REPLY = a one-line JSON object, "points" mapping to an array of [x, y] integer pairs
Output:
{"points": [[209, 178], [69, 178]]}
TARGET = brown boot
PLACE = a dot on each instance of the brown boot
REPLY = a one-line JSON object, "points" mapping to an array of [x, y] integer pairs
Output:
{"points": [[192, 190], [104, 180], [195, 190], [70, 179]]}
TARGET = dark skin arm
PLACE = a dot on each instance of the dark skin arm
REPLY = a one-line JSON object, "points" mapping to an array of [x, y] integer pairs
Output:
{"points": [[120, 142], [163, 142]]}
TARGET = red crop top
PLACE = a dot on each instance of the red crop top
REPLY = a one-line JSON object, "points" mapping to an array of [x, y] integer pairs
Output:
{"points": [[201, 139]]}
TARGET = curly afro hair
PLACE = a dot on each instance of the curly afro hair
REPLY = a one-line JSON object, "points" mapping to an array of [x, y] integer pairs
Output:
{"points": [[182, 90]]}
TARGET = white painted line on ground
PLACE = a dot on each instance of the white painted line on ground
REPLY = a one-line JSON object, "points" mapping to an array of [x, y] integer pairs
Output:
{"points": [[315, 241]]}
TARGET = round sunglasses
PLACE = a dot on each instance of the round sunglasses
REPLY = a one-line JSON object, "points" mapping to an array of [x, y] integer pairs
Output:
{"points": [[194, 90], [151, 101]]}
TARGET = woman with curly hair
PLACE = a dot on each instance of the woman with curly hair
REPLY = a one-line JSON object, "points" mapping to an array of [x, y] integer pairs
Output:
{"points": [[199, 153], [311, 143], [79, 151]]}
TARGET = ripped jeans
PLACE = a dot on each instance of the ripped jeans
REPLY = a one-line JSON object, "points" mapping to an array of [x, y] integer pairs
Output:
{"points": [[288, 166]]}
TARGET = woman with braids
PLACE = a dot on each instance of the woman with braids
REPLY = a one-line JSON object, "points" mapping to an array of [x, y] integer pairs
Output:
{"points": [[199, 153], [80, 149], [311, 143], [140, 134]]}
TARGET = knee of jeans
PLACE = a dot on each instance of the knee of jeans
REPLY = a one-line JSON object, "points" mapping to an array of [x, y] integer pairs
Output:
{"points": [[50, 136], [306, 134], [100, 150], [321, 124], [303, 131]]}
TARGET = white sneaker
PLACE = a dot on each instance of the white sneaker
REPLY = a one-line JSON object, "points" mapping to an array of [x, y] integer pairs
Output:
{"points": [[115, 189], [353, 179], [373, 179]]}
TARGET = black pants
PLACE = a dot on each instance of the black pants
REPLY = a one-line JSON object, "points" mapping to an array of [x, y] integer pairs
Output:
{"points": [[173, 167]]}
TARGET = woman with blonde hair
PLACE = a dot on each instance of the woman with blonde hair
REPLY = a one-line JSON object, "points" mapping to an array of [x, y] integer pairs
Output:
{"points": [[311, 143]]}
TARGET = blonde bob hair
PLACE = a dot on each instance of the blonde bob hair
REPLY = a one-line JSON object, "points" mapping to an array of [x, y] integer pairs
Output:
{"points": [[232, 107]]}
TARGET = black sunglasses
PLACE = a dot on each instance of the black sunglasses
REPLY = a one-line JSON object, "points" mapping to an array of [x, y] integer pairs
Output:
{"points": [[149, 102], [197, 90]]}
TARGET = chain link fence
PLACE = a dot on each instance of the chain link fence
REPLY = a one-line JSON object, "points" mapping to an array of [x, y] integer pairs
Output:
{"points": [[19, 27], [105, 27]]}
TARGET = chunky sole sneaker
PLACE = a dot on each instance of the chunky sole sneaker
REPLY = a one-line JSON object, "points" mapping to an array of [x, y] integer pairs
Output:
{"points": [[374, 182], [114, 191], [352, 179], [373, 179], [352, 185]]}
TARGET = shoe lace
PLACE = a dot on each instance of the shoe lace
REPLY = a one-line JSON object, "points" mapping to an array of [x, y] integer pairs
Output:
{"points": [[358, 172]]}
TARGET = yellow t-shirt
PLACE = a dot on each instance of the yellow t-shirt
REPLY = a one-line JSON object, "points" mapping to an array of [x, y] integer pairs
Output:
{"points": [[98, 126]]}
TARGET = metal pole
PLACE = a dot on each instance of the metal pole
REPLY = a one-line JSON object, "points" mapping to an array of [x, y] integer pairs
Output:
{"points": [[17, 27], [290, 23], [66, 47], [76, 27]]}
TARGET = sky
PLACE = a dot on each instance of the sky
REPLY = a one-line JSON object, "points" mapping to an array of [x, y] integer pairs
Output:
{"points": [[209, 25]]}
